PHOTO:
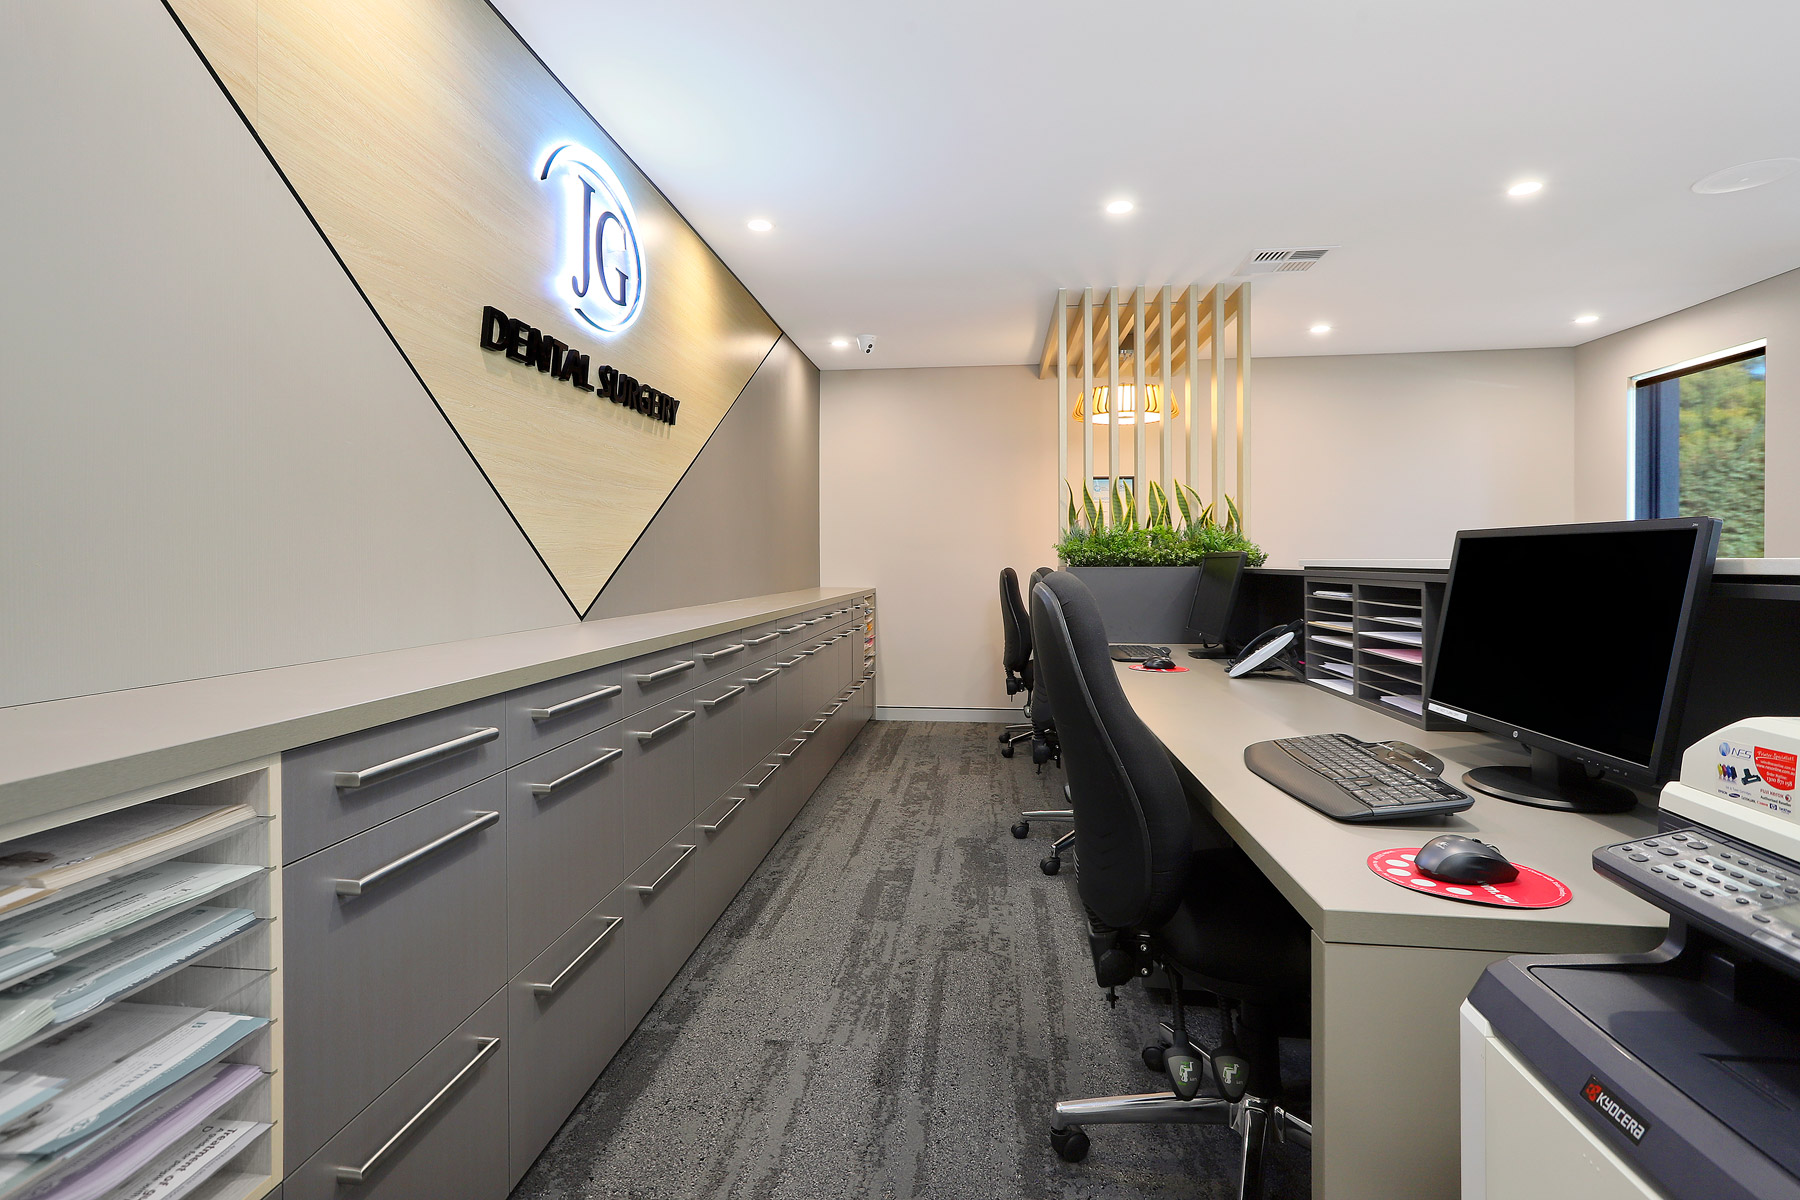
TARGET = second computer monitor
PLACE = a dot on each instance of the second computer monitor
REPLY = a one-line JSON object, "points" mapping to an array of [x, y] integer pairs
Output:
{"points": [[1216, 596]]}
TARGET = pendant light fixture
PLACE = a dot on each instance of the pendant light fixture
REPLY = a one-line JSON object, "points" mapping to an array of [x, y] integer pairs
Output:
{"points": [[1128, 409]]}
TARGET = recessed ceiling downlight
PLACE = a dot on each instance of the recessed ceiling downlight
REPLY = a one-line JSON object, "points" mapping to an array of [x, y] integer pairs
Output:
{"points": [[1321, 327], [1526, 187], [1119, 208], [840, 343], [759, 225], [1587, 318], [1745, 176]]}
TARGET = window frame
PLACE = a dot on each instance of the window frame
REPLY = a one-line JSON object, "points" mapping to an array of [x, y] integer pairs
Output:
{"points": [[1653, 407]]}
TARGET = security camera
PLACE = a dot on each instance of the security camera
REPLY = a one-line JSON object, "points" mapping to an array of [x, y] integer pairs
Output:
{"points": [[867, 342]]}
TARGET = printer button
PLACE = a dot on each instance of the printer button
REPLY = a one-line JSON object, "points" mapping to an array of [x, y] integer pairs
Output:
{"points": [[1640, 858]]}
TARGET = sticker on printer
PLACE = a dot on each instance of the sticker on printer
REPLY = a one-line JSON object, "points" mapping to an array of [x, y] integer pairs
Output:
{"points": [[1614, 1110], [1776, 767]]}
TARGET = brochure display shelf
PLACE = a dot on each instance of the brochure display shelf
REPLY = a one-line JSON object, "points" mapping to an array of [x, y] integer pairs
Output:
{"points": [[208, 942], [1369, 636]]}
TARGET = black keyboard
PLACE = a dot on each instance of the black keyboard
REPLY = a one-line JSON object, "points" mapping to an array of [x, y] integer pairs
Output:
{"points": [[1346, 780], [1136, 653]]}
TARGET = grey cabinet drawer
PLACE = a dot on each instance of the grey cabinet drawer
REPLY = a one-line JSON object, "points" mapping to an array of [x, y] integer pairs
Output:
{"points": [[333, 790], [760, 713], [375, 980], [566, 1018], [660, 913], [652, 677], [439, 1131], [734, 834], [721, 656], [564, 838], [547, 715], [659, 775], [718, 736]]}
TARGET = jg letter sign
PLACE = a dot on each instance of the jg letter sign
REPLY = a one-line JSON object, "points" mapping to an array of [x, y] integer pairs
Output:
{"points": [[602, 278]]}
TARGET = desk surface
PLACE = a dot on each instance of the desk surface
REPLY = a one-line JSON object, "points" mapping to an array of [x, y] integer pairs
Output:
{"points": [[1206, 720]]}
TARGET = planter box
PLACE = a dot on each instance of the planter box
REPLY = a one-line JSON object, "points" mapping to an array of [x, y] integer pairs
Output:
{"points": [[1142, 604]]}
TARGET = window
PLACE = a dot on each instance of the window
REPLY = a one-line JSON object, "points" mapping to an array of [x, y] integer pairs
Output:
{"points": [[1700, 447]]}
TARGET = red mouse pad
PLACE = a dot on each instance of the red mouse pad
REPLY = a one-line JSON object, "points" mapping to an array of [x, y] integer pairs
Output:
{"points": [[1157, 670], [1532, 889]]}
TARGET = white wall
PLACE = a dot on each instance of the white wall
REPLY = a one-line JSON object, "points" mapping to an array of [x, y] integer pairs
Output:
{"points": [[1604, 369], [931, 480], [950, 472], [1388, 455]]}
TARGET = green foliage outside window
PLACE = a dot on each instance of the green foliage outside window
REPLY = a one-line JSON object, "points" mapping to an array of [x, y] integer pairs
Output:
{"points": [[1722, 412]]}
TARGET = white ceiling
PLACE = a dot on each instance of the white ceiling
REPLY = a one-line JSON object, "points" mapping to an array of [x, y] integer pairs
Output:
{"points": [[936, 170]]}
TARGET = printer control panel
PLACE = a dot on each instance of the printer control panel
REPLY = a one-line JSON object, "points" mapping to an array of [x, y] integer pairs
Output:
{"points": [[1713, 880]]}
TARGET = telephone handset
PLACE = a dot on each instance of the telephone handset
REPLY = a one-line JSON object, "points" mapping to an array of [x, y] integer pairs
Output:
{"points": [[1272, 649]]}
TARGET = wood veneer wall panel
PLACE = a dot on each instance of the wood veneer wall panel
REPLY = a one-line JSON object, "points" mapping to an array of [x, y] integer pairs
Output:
{"points": [[412, 130]]}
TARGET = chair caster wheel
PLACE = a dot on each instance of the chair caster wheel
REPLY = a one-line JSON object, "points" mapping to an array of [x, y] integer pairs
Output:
{"points": [[1006, 752], [1051, 865], [1153, 1057], [1021, 829], [1071, 1145]]}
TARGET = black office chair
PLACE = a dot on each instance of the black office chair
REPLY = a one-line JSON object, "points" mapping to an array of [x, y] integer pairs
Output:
{"points": [[1015, 656], [1208, 918]]}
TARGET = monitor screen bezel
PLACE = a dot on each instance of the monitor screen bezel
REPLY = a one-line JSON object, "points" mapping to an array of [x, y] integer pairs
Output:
{"points": [[1237, 587], [1663, 750]]}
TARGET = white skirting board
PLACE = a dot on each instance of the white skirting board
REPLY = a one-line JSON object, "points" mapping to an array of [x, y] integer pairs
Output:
{"points": [[986, 716]]}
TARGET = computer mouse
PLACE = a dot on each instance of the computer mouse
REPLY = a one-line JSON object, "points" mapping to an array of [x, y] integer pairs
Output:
{"points": [[1457, 859], [1159, 664]]}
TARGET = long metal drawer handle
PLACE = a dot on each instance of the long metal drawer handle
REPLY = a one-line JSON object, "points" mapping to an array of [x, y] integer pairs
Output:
{"points": [[567, 706], [644, 735], [798, 743], [814, 729], [814, 650], [790, 662], [356, 887], [767, 675], [361, 1174], [815, 620], [686, 664], [726, 816], [767, 637], [792, 628], [549, 989], [381, 772], [722, 697], [544, 789], [708, 656], [763, 782], [649, 888]]}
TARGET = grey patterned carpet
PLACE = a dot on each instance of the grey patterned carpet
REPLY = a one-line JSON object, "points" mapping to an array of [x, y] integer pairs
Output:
{"points": [[888, 1009]]}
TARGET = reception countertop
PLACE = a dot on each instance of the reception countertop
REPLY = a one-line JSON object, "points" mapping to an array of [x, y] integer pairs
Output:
{"points": [[61, 754]]}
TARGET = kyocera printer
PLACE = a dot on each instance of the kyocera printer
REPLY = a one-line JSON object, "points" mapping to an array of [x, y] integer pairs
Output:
{"points": [[1674, 1073]]}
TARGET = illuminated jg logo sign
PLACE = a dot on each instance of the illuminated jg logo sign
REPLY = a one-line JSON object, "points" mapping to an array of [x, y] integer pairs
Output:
{"points": [[603, 265]]}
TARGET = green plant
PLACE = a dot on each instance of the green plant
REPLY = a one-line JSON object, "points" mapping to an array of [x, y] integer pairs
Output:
{"points": [[1111, 534]]}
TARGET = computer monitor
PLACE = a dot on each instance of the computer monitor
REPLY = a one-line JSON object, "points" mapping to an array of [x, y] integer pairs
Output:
{"points": [[1215, 597], [1573, 640]]}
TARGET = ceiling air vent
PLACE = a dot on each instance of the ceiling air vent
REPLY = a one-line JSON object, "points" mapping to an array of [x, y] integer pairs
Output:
{"points": [[1282, 261]]}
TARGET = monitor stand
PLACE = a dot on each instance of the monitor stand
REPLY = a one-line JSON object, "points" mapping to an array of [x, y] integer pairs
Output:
{"points": [[1215, 651], [1551, 781]]}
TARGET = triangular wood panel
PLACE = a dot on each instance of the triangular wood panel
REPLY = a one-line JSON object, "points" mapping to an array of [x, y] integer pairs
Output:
{"points": [[413, 131]]}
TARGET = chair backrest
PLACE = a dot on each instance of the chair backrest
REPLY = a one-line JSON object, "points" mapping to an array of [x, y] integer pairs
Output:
{"points": [[1015, 624], [1035, 577], [1133, 830]]}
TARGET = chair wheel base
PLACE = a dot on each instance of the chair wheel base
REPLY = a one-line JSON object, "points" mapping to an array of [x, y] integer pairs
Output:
{"points": [[1051, 865], [1006, 752], [1021, 829], [1071, 1145]]}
